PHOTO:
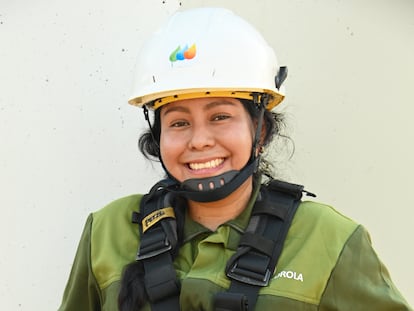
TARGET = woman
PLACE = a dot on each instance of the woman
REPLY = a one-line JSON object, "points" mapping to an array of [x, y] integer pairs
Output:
{"points": [[213, 235]]}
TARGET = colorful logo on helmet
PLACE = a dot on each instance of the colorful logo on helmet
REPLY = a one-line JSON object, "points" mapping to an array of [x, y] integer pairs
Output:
{"points": [[183, 53]]}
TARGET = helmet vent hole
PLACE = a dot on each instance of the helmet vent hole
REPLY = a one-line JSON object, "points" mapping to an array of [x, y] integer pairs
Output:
{"points": [[222, 182], [211, 184], [200, 186]]}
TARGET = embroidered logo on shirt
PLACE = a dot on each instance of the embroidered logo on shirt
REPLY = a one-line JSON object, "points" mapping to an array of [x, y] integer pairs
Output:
{"points": [[290, 275]]}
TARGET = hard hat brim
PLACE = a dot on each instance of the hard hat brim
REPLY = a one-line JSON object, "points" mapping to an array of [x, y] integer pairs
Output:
{"points": [[157, 100]]}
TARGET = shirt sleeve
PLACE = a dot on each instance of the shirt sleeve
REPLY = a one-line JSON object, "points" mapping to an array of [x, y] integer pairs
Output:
{"points": [[82, 291], [360, 281]]}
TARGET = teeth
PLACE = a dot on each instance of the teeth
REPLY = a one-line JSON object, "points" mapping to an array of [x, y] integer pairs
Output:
{"points": [[210, 164]]}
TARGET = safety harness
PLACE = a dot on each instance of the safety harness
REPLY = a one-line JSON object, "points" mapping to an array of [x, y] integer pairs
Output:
{"points": [[249, 269]]}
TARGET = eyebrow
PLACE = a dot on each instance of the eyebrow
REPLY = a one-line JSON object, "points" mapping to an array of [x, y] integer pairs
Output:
{"points": [[206, 107], [174, 108]]}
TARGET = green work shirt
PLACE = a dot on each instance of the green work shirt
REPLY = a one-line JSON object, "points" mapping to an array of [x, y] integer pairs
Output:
{"points": [[327, 263]]}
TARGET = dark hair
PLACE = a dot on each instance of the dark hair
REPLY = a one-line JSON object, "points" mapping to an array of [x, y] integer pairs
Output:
{"points": [[132, 295], [273, 122]]}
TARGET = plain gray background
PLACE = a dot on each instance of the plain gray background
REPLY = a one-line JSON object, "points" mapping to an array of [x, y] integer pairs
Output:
{"points": [[68, 136]]}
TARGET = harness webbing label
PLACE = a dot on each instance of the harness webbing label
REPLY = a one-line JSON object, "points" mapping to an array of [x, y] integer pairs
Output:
{"points": [[156, 216]]}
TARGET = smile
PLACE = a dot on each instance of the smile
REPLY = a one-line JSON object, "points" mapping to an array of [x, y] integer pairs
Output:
{"points": [[209, 164]]}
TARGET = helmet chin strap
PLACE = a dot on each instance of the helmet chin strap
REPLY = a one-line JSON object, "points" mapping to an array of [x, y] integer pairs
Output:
{"points": [[215, 188], [218, 187]]}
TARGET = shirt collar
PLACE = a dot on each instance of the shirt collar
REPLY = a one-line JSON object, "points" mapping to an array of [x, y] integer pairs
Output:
{"points": [[193, 228]]}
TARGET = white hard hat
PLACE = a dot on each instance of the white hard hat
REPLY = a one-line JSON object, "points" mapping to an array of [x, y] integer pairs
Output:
{"points": [[205, 52]]}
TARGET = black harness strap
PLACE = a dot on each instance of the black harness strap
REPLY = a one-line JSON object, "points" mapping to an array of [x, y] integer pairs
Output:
{"points": [[253, 264], [158, 230]]}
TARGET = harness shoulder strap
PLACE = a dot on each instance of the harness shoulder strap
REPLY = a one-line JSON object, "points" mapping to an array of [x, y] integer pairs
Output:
{"points": [[254, 262], [158, 241]]}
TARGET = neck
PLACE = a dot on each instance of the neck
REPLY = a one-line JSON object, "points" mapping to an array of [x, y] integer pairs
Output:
{"points": [[213, 214]]}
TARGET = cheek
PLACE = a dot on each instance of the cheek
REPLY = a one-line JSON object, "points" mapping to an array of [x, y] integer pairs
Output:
{"points": [[171, 146], [166, 146], [239, 140], [165, 140]]}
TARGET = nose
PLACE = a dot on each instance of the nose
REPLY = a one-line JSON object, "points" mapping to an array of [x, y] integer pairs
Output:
{"points": [[201, 137]]}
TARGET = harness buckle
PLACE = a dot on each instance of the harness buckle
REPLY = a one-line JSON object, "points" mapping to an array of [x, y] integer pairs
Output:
{"points": [[248, 276], [142, 254]]}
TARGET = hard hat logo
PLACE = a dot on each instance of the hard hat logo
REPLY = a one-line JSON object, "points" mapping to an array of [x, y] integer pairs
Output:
{"points": [[183, 53]]}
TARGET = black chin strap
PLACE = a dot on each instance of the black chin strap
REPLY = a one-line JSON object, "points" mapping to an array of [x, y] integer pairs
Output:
{"points": [[226, 183], [218, 187]]}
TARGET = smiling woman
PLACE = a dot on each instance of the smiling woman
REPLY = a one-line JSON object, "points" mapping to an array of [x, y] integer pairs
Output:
{"points": [[214, 234]]}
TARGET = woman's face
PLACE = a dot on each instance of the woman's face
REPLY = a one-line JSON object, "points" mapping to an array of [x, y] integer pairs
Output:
{"points": [[205, 137]]}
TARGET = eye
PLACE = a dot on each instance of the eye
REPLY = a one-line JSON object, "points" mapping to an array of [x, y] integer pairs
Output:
{"points": [[179, 123], [220, 117]]}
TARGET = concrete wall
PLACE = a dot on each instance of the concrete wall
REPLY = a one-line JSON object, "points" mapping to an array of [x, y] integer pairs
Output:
{"points": [[68, 137]]}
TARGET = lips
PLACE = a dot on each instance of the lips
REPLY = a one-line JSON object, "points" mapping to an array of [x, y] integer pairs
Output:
{"points": [[206, 165]]}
